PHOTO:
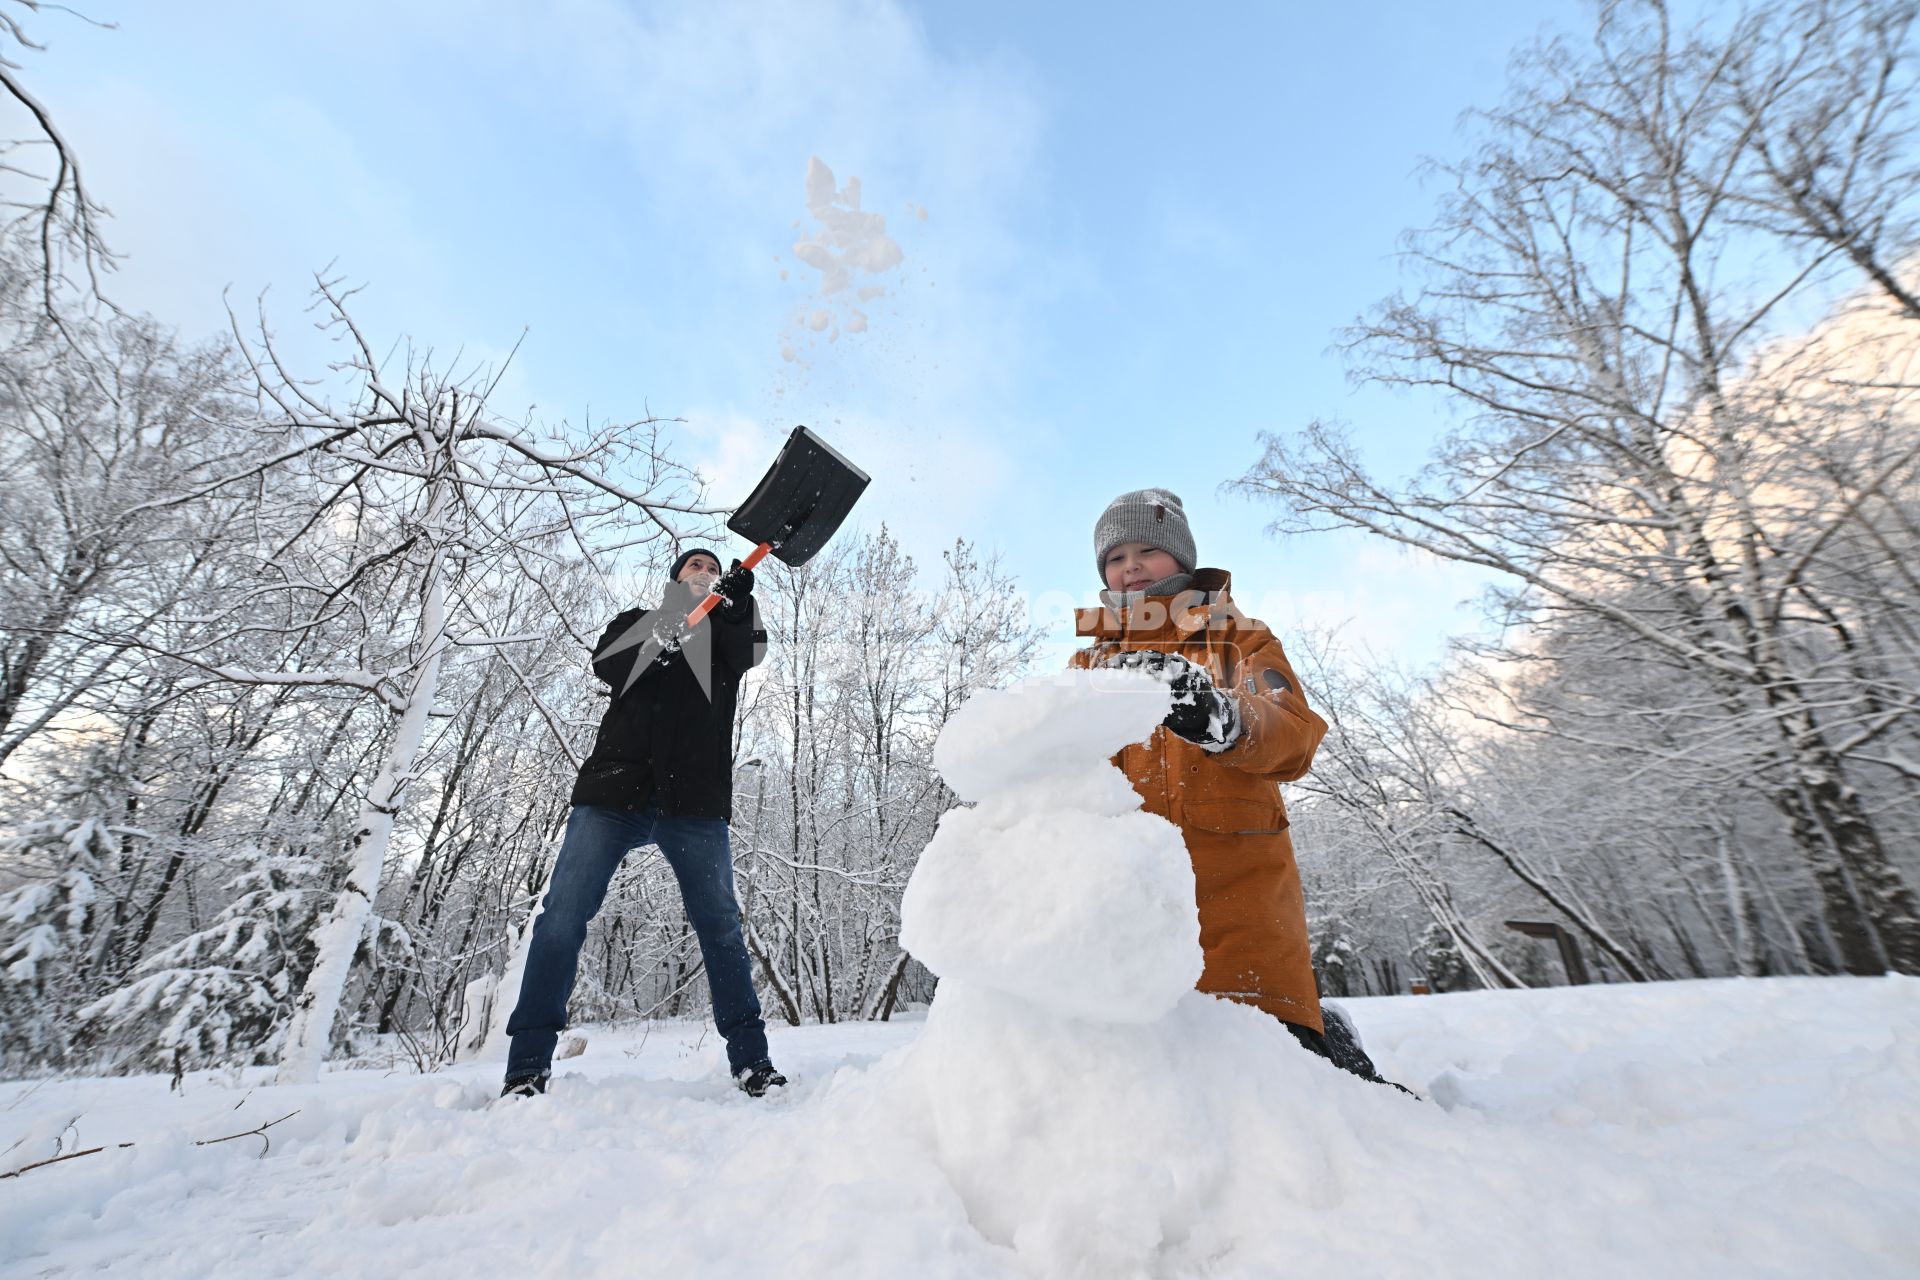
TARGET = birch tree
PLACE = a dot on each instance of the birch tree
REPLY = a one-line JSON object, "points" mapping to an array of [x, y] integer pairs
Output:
{"points": [[865, 665], [1377, 769]]}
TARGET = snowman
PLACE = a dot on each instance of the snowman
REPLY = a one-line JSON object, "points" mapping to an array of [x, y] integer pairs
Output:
{"points": [[1079, 1093]]}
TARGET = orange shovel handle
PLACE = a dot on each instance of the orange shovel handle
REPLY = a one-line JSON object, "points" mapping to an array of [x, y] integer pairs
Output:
{"points": [[713, 599]]}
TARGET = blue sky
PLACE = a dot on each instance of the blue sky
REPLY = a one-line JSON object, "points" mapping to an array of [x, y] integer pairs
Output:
{"points": [[1142, 231]]}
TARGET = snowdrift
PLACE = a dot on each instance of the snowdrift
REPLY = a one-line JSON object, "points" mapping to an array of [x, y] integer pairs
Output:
{"points": [[1728, 1128]]}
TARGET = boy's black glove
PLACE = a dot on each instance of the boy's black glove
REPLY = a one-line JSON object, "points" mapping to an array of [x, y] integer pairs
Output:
{"points": [[1202, 713]]}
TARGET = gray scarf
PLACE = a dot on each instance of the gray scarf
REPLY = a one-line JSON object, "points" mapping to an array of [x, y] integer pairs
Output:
{"points": [[1171, 585]]}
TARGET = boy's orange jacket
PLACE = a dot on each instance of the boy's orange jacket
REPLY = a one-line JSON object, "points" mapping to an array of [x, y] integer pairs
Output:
{"points": [[1253, 919]]}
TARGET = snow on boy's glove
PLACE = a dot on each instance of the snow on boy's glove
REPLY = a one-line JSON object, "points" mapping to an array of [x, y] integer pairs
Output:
{"points": [[1202, 713]]}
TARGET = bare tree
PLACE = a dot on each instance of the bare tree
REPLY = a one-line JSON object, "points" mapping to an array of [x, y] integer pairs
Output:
{"points": [[1379, 768], [96, 422], [1821, 92], [864, 667], [1610, 295], [414, 503], [62, 220]]}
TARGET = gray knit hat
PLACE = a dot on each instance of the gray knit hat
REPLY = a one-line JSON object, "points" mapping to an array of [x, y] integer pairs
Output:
{"points": [[1152, 516]]}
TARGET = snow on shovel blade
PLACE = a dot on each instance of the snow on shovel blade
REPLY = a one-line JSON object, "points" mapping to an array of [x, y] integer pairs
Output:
{"points": [[801, 500]]}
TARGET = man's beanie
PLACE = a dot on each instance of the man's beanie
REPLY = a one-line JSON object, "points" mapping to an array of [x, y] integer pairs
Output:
{"points": [[673, 574], [1152, 516]]}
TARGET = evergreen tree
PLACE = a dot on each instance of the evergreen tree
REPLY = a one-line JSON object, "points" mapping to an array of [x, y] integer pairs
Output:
{"points": [[223, 994], [48, 928]]}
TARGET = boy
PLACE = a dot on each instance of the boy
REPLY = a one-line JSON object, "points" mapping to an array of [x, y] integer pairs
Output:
{"points": [[1239, 725]]}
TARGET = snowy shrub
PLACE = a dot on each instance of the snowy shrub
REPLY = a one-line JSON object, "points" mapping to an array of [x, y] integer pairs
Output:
{"points": [[1437, 955], [1337, 961]]}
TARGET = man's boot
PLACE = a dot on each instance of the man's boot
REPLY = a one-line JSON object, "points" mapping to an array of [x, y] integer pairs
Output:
{"points": [[755, 1081], [524, 1086]]}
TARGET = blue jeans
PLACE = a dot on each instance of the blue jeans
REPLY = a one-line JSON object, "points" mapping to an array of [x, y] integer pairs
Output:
{"points": [[597, 840]]}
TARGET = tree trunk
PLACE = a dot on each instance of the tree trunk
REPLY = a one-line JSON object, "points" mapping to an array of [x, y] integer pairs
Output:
{"points": [[789, 1002], [1879, 929], [1844, 922], [338, 939], [1747, 954], [1886, 899], [883, 1008], [507, 992]]}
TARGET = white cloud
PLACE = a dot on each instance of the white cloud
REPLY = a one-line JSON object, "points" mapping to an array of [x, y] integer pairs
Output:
{"points": [[651, 142], [1383, 601], [247, 202]]}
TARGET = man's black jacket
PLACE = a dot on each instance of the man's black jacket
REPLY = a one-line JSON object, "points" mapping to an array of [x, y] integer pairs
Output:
{"points": [[664, 738]]}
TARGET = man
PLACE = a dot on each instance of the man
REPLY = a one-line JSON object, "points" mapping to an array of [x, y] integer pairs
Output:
{"points": [[661, 773]]}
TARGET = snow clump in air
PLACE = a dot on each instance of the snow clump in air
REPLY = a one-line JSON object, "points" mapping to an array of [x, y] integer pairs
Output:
{"points": [[846, 241]]}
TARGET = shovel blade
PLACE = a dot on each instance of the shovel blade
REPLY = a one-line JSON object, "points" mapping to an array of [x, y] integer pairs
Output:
{"points": [[801, 500]]}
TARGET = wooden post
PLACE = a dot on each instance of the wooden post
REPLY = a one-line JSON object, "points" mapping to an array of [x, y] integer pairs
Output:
{"points": [[1569, 948]]}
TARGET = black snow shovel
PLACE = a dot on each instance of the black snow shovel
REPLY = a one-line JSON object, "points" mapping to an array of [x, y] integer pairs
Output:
{"points": [[792, 513], [796, 507]]}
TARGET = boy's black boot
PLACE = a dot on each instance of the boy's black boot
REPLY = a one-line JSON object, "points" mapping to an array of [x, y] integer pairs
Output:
{"points": [[755, 1081], [1340, 1045]]}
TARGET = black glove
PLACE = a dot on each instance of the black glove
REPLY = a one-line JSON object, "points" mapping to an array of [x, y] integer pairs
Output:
{"points": [[1202, 713], [735, 586]]}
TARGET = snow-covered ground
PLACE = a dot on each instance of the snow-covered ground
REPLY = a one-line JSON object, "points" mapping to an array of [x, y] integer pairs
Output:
{"points": [[1068, 1107], [1707, 1128]]}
